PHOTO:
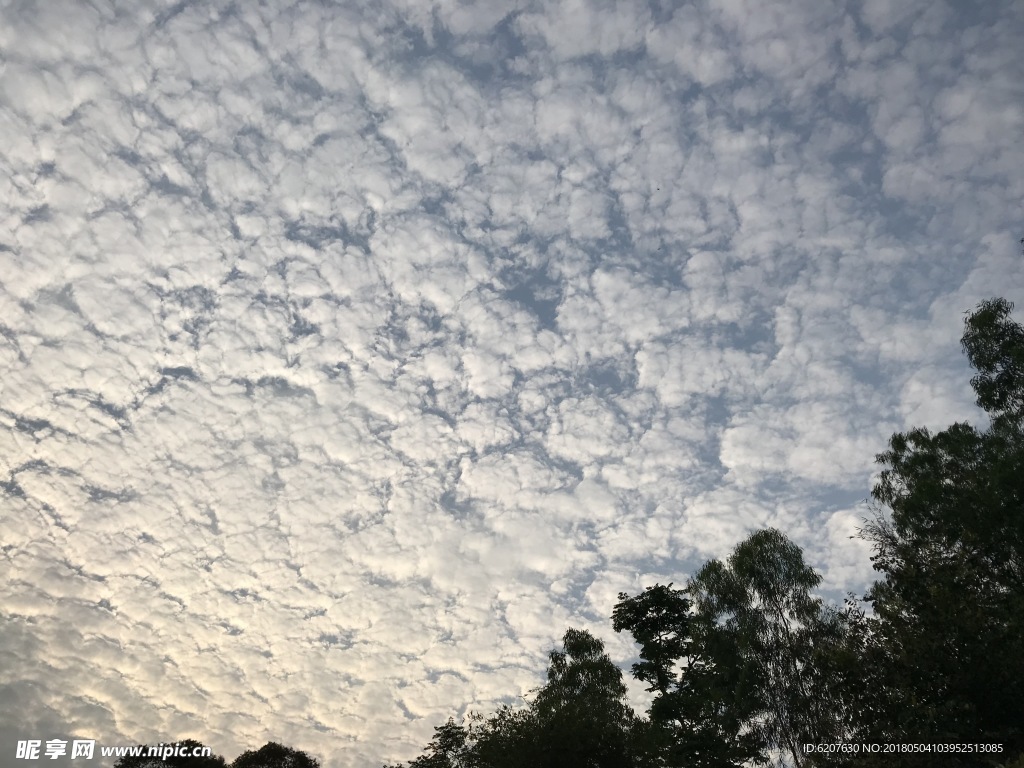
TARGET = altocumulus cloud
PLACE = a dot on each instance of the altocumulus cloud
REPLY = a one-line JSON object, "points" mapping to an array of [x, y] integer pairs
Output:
{"points": [[352, 351]]}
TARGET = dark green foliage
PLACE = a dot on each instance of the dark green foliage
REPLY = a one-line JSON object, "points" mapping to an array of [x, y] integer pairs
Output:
{"points": [[702, 687], [274, 755], [743, 660], [185, 760], [995, 346], [582, 713], [448, 749], [949, 608], [579, 719], [510, 738], [760, 599]]}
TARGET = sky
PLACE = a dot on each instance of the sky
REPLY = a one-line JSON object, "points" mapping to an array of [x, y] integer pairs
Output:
{"points": [[351, 352]]}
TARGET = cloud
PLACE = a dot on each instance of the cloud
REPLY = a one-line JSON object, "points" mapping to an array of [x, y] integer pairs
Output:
{"points": [[352, 354]]}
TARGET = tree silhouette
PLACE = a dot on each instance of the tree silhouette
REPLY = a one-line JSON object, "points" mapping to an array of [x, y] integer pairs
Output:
{"points": [[703, 695], [948, 631], [274, 755], [579, 719]]}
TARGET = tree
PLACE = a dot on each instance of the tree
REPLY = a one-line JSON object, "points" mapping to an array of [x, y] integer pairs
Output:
{"points": [[744, 661], [994, 344], [510, 738], [703, 695], [948, 630], [583, 717], [181, 754], [579, 719], [450, 748], [274, 755], [761, 599]]}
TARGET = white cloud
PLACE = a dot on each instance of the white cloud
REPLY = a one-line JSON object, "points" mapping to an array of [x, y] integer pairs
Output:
{"points": [[350, 355]]}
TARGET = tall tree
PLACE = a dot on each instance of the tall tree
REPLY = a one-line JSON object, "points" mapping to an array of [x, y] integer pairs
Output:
{"points": [[509, 738], [948, 629], [584, 717], [579, 719], [703, 696], [745, 662], [451, 747], [761, 599]]}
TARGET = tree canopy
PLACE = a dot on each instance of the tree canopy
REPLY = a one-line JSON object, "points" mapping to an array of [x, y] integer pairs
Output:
{"points": [[579, 719], [274, 755], [948, 625]]}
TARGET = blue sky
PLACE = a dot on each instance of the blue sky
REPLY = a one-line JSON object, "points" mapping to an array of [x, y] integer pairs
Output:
{"points": [[352, 351]]}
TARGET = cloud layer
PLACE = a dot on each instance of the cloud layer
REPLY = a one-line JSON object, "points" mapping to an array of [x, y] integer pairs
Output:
{"points": [[350, 354]]}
